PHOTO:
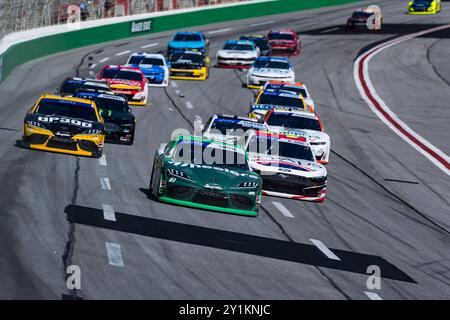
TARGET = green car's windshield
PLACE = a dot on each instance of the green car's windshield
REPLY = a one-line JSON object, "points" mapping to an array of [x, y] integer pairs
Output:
{"points": [[207, 153]]}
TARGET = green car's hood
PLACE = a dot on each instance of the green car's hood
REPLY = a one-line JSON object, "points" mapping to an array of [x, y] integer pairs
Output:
{"points": [[213, 176]]}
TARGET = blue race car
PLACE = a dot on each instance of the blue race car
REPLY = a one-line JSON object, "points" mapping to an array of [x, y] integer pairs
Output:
{"points": [[153, 66], [186, 40]]}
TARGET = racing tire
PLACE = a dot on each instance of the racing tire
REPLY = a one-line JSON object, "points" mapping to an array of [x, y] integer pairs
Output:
{"points": [[97, 154], [150, 194]]}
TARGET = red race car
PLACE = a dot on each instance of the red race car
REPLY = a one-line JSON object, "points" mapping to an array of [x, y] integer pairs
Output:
{"points": [[284, 42], [128, 81]]}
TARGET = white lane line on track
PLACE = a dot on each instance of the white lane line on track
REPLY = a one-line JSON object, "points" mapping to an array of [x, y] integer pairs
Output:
{"points": [[104, 60], [150, 45], [385, 114], [122, 53], [174, 84], [261, 23], [283, 209], [114, 254], [220, 30], [373, 295], [102, 161], [108, 212], [189, 105], [330, 255], [93, 66], [104, 182], [329, 30]]}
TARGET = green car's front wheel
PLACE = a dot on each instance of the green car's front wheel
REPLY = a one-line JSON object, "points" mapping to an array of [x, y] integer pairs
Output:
{"points": [[154, 191]]}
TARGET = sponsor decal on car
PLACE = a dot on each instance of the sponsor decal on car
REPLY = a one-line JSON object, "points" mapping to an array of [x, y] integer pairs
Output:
{"points": [[74, 122]]}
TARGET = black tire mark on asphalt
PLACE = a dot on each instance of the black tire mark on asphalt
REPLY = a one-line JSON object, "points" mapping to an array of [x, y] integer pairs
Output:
{"points": [[432, 65], [392, 194]]}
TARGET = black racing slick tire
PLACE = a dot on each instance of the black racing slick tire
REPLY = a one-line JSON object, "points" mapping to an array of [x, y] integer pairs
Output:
{"points": [[150, 194]]}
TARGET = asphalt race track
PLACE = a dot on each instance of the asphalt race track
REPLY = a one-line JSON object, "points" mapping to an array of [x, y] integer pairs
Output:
{"points": [[387, 204]]}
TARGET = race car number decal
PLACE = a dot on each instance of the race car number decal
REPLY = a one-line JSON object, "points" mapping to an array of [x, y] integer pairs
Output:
{"points": [[74, 122]]}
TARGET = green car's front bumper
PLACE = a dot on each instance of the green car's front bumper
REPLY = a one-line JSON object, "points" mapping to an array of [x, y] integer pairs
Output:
{"points": [[208, 207]]}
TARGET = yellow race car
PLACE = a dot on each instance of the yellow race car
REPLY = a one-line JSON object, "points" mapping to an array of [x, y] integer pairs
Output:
{"points": [[64, 125], [267, 100], [424, 6], [189, 65]]}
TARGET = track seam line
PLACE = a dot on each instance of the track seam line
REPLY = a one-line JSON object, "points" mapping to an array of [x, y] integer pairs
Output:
{"points": [[71, 239]]}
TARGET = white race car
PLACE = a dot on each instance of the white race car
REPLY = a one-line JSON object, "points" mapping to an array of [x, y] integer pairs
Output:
{"points": [[237, 54], [230, 128], [289, 121], [286, 165], [153, 66], [269, 68]]}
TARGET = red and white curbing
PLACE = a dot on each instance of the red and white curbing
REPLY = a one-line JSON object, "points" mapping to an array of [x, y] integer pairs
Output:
{"points": [[379, 107]]}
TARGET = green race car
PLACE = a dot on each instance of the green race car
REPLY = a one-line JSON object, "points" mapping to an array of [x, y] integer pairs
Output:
{"points": [[205, 174]]}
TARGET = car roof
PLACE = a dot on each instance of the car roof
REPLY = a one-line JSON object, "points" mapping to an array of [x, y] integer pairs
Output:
{"points": [[148, 55], [103, 93], [83, 80], [253, 36], [121, 67], [285, 84], [239, 42], [289, 138], [68, 99], [295, 112], [188, 51], [188, 32], [229, 116], [282, 94], [286, 30], [233, 146], [265, 58]]}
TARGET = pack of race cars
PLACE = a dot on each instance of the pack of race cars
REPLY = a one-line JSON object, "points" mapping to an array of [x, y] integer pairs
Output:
{"points": [[279, 148]]}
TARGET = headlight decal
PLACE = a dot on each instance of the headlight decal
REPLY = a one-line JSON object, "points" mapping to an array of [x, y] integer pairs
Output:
{"points": [[178, 174], [248, 184]]}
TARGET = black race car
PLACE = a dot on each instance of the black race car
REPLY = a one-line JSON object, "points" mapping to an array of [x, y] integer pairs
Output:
{"points": [[365, 18], [261, 42], [72, 84], [120, 123]]}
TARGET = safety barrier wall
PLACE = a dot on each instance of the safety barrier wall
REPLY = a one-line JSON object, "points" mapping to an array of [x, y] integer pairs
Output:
{"points": [[25, 51]]}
